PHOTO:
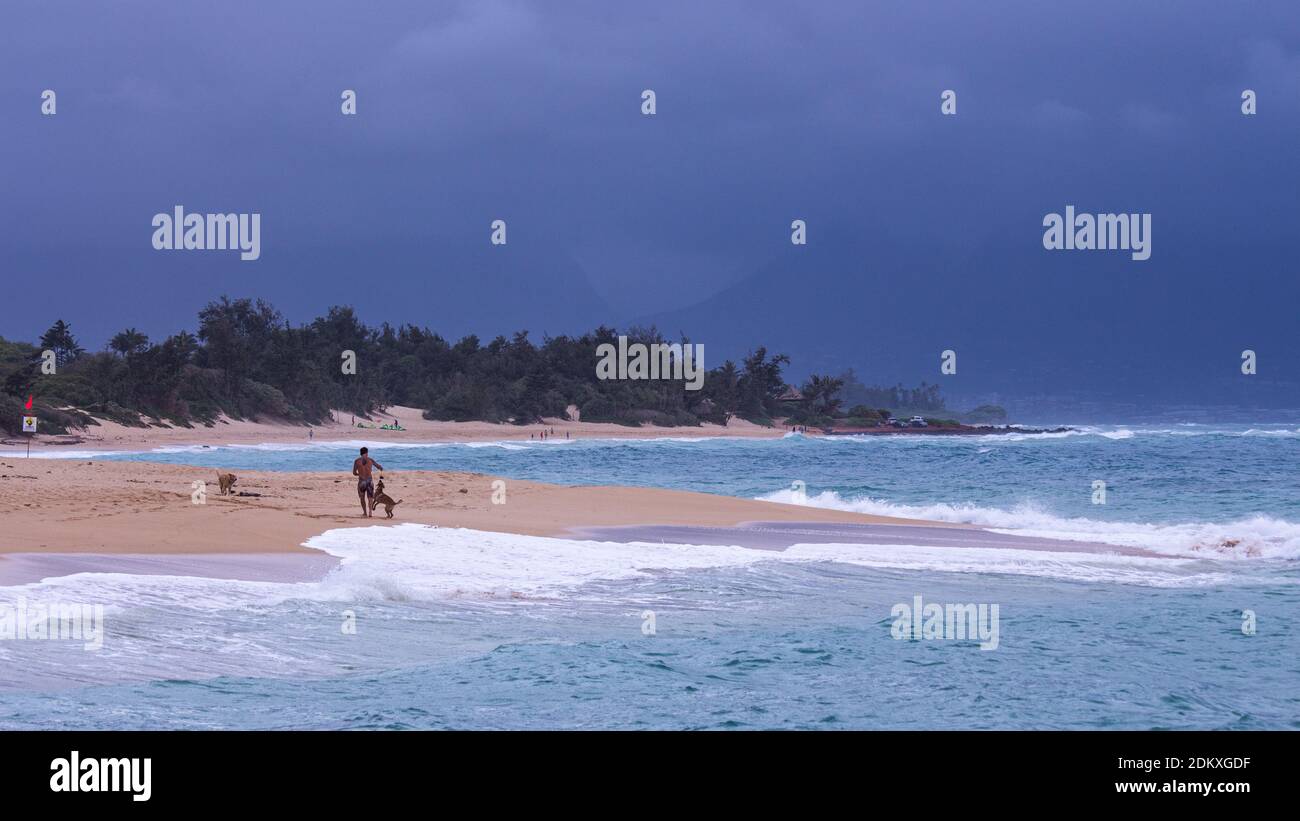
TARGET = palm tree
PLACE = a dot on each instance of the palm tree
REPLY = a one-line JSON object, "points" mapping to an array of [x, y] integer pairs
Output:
{"points": [[128, 342], [184, 344], [820, 392]]}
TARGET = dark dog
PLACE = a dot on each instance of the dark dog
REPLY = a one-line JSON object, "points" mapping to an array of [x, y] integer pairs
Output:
{"points": [[384, 499]]}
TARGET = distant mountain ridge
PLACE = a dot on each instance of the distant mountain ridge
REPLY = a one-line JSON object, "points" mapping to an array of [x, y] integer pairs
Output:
{"points": [[1100, 327]]}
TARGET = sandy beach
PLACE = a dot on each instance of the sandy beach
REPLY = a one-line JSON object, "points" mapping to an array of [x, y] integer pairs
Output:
{"points": [[58, 507], [113, 436], [60, 516], [135, 507]]}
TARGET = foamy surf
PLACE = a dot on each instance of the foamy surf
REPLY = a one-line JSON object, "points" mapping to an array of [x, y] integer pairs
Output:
{"points": [[1247, 538], [412, 562], [422, 594], [421, 561], [1074, 567], [418, 561]]}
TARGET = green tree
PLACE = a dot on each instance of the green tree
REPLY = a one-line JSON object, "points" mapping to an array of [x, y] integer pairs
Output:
{"points": [[237, 336], [760, 383], [128, 342], [59, 339], [822, 393]]}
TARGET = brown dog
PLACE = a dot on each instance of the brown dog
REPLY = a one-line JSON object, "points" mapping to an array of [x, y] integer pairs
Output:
{"points": [[227, 482], [384, 499]]}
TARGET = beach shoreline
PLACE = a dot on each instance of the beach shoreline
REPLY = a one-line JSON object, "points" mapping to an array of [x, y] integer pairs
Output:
{"points": [[415, 429], [131, 507], [62, 516]]}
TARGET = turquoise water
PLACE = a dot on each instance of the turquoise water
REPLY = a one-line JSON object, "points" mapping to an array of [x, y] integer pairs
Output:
{"points": [[467, 630]]}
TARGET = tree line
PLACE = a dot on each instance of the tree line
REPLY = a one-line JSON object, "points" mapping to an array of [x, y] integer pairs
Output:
{"points": [[246, 361]]}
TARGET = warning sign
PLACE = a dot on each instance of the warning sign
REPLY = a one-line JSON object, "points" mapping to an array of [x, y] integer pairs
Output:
{"points": [[29, 424]]}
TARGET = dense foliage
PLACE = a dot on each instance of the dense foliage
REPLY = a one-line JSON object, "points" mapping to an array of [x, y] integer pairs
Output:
{"points": [[247, 362]]}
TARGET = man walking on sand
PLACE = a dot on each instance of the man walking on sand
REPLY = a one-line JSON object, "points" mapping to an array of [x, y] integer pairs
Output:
{"points": [[365, 483]]}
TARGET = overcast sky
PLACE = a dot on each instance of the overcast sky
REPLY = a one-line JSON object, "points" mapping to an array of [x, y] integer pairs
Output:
{"points": [[530, 112]]}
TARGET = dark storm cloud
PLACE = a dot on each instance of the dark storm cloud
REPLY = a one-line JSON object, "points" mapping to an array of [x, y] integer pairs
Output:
{"points": [[530, 112]]}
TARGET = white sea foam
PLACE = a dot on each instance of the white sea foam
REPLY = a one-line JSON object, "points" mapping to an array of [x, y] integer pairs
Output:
{"points": [[416, 561], [1122, 433], [64, 454], [1021, 433], [1079, 567], [428, 561], [183, 627], [406, 562], [1253, 537], [419, 562]]}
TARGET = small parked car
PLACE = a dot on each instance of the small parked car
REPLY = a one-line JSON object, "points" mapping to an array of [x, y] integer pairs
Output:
{"points": [[917, 422]]}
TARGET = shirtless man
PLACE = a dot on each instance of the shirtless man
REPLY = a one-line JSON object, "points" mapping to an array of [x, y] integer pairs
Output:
{"points": [[365, 484]]}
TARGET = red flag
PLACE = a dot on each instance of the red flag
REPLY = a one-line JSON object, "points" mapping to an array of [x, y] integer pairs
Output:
{"points": [[29, 401]]}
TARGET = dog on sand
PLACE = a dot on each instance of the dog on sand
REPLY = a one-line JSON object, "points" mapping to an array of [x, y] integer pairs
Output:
{"points": [[227, 482], [384, 499]]}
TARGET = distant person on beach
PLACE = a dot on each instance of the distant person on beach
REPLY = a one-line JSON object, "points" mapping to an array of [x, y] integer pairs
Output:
{"points": [[365, 482]]}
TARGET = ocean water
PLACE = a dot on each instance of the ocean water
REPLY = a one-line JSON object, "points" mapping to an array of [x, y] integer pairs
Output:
{"points": [[462, 629]]}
